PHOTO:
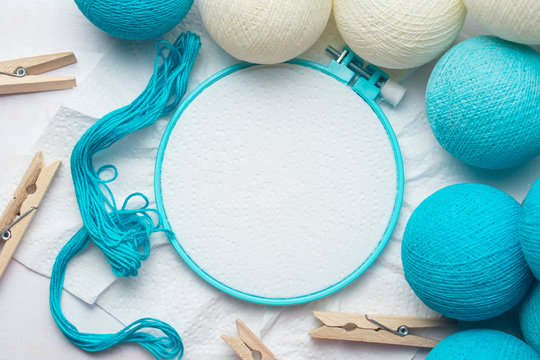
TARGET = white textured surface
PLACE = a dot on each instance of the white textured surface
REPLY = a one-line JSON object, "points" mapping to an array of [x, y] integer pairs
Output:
{"points": [[283, 168], [166, 287], [28, 331], [265, 32], [517, 21], [399, 34]]}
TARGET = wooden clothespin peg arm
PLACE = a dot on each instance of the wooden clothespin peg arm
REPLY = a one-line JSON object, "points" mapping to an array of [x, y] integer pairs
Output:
{"points": [[24, 205], [371, 336], [33, 66], [360, 320], [20, 194], [238, 346], [246, 342], [31, 83], [365, 328]]}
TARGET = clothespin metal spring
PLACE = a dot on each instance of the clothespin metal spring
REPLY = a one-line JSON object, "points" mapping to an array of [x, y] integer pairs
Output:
{"points": [[6, 233], [19, 72], [403, 330]]}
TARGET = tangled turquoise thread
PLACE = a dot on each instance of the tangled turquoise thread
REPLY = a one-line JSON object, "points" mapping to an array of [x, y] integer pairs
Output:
{"points": [[122, 233], [104, 223], [168, 346], [135, 19]]}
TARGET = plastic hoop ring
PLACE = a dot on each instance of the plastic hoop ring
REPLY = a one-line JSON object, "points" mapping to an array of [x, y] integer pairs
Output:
{"points": [[268, 300]]}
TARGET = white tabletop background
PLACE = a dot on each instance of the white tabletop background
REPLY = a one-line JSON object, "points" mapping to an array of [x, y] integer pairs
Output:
{"points": [[29, 28]]}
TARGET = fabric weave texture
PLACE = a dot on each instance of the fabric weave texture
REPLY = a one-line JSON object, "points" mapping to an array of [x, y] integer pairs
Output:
{"points": [[482, 344], [482, 101], [135, 19], [461, 252]]}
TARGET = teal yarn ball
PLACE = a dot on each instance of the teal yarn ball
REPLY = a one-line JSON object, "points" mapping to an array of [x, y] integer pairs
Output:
{"points": [[530, 229], [482, 344], [529, 318], [461, 252], [482, 102], [135, 19]]}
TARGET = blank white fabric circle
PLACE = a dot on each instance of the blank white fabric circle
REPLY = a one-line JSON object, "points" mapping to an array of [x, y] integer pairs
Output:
{"points": [[278, 181]]}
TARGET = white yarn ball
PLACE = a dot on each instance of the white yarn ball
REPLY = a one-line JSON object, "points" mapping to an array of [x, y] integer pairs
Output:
{"points": [[265, 31], [399, 34], [514, 20]]}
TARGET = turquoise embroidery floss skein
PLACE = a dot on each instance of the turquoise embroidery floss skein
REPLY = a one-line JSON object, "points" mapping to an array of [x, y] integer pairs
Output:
{"points": [[122, 233], [461, 252], [482, 102], [135, 19], [482, 344]]}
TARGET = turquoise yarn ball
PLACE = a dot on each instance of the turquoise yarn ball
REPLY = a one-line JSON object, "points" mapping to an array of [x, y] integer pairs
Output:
{"points": [[529, 318], [482, 344], [135, 19], [461, 252], [530, 229], [482, 102]]}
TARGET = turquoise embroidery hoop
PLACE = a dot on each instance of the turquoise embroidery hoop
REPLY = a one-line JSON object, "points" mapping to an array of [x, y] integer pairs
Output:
{"points": [[366, 82]]}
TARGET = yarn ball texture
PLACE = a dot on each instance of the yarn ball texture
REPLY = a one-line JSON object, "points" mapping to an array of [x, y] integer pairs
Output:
{"points": [[529, 318], [517, 20], [399, 34], [135, 19], [530, 229], [482, 344], [461, 252], [265, 32], [482, 102]]}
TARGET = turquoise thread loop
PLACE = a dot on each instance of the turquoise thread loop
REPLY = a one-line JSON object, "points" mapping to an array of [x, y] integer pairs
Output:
{"points": [[121, 233], [105, 168]]}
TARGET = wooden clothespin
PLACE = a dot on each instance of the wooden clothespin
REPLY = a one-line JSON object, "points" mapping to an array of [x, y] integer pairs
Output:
{"points": [[22, 207], [375, 328], [21, 75], [246, 343]]}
